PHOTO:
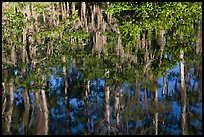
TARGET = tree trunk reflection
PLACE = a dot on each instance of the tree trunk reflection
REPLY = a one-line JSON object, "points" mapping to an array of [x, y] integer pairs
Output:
{"points": [[107, 109]]}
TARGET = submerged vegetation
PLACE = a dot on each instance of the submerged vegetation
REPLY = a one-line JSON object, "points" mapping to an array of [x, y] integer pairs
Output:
{"points": [[70, 47]]}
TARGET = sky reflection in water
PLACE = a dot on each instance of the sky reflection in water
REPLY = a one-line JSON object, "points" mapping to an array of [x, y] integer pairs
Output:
{"points": [[60, 124]]}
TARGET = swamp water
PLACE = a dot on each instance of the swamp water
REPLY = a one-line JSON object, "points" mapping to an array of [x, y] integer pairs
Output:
{"points": [[74, 76], [98, 97]]}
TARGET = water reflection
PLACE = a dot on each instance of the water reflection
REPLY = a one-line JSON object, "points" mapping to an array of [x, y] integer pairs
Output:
{"points": [[101, 104], [85, 81]]}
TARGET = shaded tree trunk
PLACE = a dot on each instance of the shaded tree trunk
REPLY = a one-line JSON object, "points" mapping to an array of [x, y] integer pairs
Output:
{"points": [[26, 112], [117, 109], [156, 114], [42, 114], [9, 112], [164, 85], [88, 106]]}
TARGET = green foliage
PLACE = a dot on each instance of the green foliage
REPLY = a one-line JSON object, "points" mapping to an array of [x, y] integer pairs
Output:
{"points": [[12, 25], [178, 17]]}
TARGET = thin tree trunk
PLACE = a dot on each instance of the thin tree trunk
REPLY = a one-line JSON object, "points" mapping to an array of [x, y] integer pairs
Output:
{"points": [[117, 110], [104, 38], [110, 16], [99, 17], [26, 112], [145, 98], [164, 85], [13, 53], [137, 99], [98, 41], [183, 94], [198, 46], [93, 13], [65, 74], [10, 109], [107, 108], [83, 13], [68, 10], [73, 7], [162, 43], [156, 113], [88, 106], [24, 46], [45, 112], [34, 29], [119, 47], [4, 98], [42, 114], [200, 89]]}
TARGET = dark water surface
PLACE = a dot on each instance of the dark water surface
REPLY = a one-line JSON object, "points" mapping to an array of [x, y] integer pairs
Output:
{"points": [[99, 101]]}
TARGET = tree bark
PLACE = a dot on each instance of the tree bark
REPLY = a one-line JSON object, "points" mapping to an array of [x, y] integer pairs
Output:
{"points": [[13, 53], [42, 114], [162, 43], [73, 7]]}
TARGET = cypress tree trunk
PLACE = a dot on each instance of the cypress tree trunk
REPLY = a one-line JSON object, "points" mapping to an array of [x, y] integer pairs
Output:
{"points": [[137, 99], [98, 43], [27, 109], [117, 111], [93, 13], [65, 77], [198, 45], [68, 9], [88, 106], [4, 98], [41, 126], [27, 15], [45, 112], [162, 43], [73, 7], [183, 94], [8, 115], [107, 108], [164, 85], [33, 29], [119, 47], [83, 13], [138, 46], [104, 38], [156, 113], [109, 16]]}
